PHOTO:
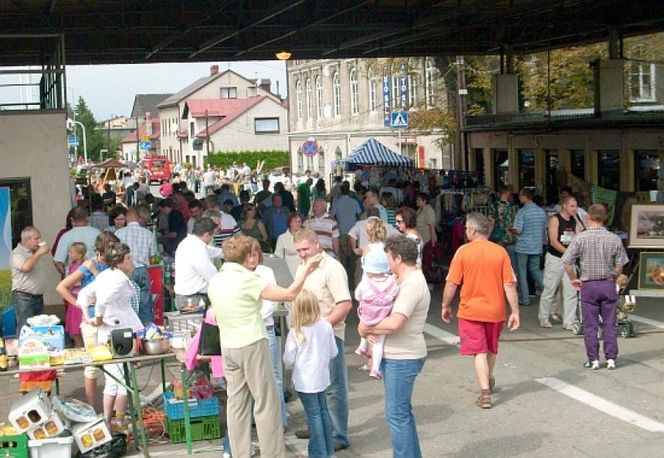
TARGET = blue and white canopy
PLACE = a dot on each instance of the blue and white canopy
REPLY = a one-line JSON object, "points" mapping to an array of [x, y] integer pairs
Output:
{"points": [[373, 152]]}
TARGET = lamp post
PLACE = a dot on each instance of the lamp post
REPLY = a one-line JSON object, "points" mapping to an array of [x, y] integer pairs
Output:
{"points": [[70, 123]]}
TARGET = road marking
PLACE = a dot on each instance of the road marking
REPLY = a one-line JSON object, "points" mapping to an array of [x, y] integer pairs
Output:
{"points": [[602, 405], [648, 321], [441, 335]]}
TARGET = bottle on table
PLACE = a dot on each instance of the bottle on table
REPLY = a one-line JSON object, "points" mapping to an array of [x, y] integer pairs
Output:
{"points": [[4, 361]]}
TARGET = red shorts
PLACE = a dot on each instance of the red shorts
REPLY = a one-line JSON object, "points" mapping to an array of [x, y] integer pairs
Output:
{"points": [[479, 337]]}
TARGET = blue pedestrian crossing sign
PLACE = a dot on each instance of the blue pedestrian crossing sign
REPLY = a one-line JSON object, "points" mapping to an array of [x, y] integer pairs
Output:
{"points": [[400, 119]]}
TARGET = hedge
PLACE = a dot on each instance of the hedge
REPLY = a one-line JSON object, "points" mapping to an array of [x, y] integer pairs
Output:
{"points": [[272, 159]]}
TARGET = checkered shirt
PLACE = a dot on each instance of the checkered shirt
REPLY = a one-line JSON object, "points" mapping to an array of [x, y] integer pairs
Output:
{"points": [[141, 241], [599, 252]]}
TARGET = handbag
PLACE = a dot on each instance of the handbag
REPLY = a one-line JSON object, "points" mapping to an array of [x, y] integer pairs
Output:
{"points": [[209, 344]]}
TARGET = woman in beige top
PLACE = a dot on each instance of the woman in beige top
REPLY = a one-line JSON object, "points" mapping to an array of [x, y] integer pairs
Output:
{"points": [[405, 348], [285, 248]]}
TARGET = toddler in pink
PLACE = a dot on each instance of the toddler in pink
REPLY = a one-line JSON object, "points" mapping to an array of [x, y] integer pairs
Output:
{"points": [[375, 293]]}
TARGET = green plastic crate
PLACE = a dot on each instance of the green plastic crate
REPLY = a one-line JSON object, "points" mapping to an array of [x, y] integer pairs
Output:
{"points": [[202, 428], [14, 446]]}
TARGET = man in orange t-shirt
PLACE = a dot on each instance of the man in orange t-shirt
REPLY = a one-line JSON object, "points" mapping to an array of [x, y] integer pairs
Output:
{"points": [[484, 272]]}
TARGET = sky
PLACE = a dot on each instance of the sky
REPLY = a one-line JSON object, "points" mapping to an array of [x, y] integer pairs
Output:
{"points": [[109, 90]]}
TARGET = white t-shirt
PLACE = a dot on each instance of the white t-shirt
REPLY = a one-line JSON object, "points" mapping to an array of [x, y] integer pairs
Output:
{"points": [[310, 359]]}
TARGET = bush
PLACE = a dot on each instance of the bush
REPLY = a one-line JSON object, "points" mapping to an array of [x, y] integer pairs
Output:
{"points": [[272, 159]]}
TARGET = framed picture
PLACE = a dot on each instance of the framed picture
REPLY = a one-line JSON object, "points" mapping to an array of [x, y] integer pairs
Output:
{"points": [[646, 227], [651, 271]]}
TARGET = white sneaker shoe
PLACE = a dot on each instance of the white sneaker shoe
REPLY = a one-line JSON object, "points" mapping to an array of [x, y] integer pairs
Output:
{"points": [[594, 365], [610, 364]]}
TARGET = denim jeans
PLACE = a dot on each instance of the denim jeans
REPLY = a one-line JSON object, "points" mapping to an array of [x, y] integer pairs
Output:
{"points": [[511, 252], [528, 263], [26, 307], [399, 379], [319, 424], [275, 356], [142, 279], [336, 396]]}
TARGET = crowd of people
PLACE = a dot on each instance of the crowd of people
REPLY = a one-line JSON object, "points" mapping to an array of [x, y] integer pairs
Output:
{"points": [[372, 245]]}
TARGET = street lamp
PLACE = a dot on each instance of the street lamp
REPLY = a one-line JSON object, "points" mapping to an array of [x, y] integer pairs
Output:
{"points": [[70, 126]]}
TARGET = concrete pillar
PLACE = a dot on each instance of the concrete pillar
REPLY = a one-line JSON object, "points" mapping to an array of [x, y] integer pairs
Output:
{"points": [[505, 93], [591, 160], [609, 82], [489, 169], [513, 157]]}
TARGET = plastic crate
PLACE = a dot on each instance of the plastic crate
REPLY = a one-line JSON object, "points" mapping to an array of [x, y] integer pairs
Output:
{"points": [[189, 322], [57, 447], [14, 446], [202, 428], [174, 408]]}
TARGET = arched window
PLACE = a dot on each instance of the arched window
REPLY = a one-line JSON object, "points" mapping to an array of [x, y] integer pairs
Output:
{"points": [[336, 86], [372, 90], [319, 96], [298, 98], [310, 100], [354, 93], [299, 157], [413, 80], [430, 82]]}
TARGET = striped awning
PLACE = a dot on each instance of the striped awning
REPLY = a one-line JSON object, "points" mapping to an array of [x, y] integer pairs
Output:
{"points": [[373, 152]]}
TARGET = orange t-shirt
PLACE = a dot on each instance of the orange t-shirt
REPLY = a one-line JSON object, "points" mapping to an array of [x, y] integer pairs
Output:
{"points": [[481, 268]]}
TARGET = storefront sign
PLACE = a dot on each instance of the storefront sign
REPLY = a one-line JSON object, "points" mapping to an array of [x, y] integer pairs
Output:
{"points": [[387, 111]]}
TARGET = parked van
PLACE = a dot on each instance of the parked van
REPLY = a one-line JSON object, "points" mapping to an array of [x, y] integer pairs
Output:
{"points": [[159, 168]]}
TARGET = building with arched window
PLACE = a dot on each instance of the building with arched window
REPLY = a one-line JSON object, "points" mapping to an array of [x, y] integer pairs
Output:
{"points": [[347, 108]]}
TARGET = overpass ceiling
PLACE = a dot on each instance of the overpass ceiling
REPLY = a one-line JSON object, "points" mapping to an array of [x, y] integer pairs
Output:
{"points": [[146, 31]]}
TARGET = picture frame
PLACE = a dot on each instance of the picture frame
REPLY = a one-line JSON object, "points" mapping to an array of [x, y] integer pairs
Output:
{"points": [[651, 271], [646, 227]]}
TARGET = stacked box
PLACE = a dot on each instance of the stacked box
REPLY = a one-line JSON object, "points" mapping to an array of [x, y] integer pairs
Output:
{"points": [[175, 407], [30, 411], [57, 447], [202, 428]]}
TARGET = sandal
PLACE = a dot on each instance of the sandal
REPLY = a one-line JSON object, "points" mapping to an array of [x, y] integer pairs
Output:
{"points": [[484, 401]]}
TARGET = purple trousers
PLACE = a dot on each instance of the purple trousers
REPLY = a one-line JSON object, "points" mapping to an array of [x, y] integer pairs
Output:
{"points": [[599, 298]]}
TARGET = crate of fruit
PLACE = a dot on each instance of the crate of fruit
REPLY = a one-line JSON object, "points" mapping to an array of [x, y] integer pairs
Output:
{"points": [[174, 407]]}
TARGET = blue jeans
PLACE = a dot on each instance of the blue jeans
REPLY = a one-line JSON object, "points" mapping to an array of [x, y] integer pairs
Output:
{"points": [[336, 396], [142, 279], [319, 424], [26, 307], [511, 252], [399, 379], [528, 263], [275, 356]]}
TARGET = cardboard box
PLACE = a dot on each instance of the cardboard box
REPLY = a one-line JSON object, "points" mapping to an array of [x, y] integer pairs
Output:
{"points": [[29, 411], [33, 354], [91, 435], [53, 337], [58, 447]]}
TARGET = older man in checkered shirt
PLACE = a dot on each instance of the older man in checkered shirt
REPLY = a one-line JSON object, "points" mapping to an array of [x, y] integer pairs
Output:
{"points": [[143, 246], [601, 256]]}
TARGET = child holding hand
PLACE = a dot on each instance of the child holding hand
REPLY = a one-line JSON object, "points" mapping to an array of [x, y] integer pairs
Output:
{"points": [[310, 346], [375, 293]]}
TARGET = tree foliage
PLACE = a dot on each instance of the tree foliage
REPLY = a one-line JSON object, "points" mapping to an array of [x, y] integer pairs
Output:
{"points": [[96, 138], [272, 159]]}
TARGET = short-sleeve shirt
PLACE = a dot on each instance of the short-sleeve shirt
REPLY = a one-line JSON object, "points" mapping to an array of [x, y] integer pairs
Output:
{"points": [[426, 216], [32, 282], [85, 234], [237, 309], [599, 253], [412, 302], [326, 229], [532, 222], [481, 268], [329, 282]]}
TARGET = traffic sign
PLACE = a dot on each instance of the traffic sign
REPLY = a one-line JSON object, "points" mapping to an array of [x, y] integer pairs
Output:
{"points": [[400, 119], [310, 148], [72, 140], [145, 145]]}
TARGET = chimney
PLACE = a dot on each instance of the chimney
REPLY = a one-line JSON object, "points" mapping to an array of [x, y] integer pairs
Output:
{"points": [[214, 69], [265, 84]]}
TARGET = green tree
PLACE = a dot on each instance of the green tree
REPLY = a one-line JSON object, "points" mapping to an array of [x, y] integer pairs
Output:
{"points": [[94, 138]]}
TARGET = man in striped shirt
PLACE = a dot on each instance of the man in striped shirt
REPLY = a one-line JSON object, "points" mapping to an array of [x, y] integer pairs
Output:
{"points": [[325, 226], [529, 225]]}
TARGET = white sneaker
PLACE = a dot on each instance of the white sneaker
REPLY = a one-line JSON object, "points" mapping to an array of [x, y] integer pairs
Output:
{"points": [[594, 365], [610, 364], [545, 323]]}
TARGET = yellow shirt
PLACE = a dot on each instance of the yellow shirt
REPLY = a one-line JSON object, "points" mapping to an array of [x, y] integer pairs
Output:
{"points": [[329, 282], [235, 296]]}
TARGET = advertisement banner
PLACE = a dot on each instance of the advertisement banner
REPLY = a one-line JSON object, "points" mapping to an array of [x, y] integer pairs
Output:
{"points": [[403, 88], [5, 247], [387, 108], [607, 197]]}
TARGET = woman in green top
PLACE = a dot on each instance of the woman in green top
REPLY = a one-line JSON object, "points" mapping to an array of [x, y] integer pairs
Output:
{"points": [[304, 197]]}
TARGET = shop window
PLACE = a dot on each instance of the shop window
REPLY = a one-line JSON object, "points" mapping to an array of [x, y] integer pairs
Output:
{"points": [[526, 168], [578, 157], [479, 163], [20, 203], [646, 167], [608, 169], [500, 167], [552, 167]]}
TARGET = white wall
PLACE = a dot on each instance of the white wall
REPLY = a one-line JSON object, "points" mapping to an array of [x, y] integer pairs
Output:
{"points": [[34, 145]]}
